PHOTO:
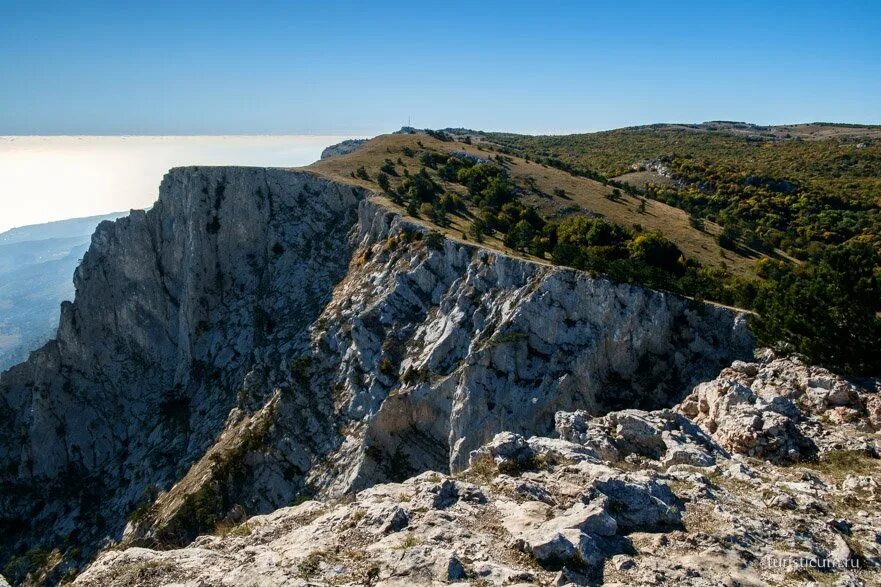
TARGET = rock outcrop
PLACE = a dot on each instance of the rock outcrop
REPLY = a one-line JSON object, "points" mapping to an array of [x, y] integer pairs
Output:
{"points": [[343, 148], [262, 335], [608, 501]]}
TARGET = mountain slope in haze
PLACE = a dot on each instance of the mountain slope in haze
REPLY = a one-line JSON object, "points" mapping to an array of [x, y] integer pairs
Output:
{"points": [[36, 270]]}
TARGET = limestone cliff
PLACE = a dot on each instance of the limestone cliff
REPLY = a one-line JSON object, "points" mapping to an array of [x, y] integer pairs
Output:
{"points": [[261, 335]]}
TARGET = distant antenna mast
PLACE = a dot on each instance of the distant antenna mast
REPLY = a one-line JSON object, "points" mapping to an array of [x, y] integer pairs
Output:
{"points": [[408, 120]]}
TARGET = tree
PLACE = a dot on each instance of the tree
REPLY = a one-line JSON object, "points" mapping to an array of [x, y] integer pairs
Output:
{"points": [[420, 187], [520, 236], [438, 215], [477, 229], [388, 167], [584, 231], [383, 181], [655, 250], [728, 238]]}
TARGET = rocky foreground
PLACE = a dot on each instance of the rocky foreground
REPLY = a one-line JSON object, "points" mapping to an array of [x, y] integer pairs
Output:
{"points": [[767, 474]]}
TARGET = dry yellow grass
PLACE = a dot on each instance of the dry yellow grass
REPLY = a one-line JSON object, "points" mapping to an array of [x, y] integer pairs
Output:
{"points": [[580, 194]]}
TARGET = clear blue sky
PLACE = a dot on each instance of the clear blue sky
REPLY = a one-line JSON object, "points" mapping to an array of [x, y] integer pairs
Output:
{"points": [[193, 67]]}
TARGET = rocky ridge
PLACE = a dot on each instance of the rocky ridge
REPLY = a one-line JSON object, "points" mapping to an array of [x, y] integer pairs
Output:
{"points": [[630, 498], [342, 148], [262, 336]]}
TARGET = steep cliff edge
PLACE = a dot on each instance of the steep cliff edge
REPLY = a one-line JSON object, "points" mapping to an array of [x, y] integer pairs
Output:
{"points": [[262, 334]]}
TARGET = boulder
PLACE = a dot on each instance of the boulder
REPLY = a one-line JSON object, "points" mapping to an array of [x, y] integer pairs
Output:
{"points": [[744, 423], [558, 548], [638, 502], [507, 450], [661, 435], [592, 518]]}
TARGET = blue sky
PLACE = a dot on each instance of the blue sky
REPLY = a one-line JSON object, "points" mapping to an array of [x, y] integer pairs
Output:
{"points": [[338, 68]]}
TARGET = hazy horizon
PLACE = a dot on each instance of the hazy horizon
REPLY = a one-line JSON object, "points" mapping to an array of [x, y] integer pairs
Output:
{"points": [[95, 175], [377, 132]]}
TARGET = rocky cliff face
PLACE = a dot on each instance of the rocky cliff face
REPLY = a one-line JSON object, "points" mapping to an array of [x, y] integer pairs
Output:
{"points": [[263, 335]]}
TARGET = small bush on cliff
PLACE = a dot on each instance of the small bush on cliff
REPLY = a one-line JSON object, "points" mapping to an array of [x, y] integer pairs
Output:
{"points": [[387, 368], [434, 240], [300, 369], [142, 509], [19, 567]]}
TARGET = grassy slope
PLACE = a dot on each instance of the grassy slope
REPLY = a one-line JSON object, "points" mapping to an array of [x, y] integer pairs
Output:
{"points": [[580, 193]]}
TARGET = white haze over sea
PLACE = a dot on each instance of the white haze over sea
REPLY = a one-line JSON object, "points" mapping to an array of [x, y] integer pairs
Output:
{"points": [[54, 178]]}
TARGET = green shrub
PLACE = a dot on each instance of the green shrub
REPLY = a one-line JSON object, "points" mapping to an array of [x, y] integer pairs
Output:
{"points": [[145, 503], [388, 167], [386, 367], [434, 240], [301, 368]]}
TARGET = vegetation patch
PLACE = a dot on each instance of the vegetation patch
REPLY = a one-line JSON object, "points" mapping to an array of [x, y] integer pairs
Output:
{"points": [[838, 464], [203, 509]]}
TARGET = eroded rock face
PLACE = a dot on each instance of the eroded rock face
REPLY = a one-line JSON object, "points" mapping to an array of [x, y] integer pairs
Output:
{"points": [[426, 351], [441, 348], [261, 335]]}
